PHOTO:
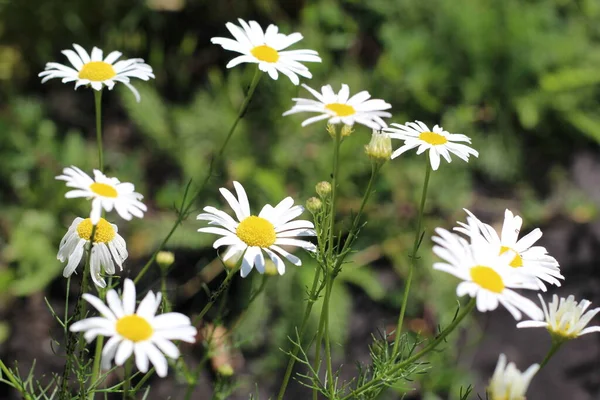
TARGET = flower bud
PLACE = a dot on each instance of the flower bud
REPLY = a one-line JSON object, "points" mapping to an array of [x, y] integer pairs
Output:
{"points": [[232, 261], [165, 259], [314, 205], [270, 267], [323, 189], [379, 148], [347, 130]]}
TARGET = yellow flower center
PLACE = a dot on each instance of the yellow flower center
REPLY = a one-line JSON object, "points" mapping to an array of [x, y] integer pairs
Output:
{"points": [[433, 138], [517, 261], [341, 110], [104, 230], [256, 231], [265, 53], [487, 278], [97, 71], [134, 328], [104, 190]]}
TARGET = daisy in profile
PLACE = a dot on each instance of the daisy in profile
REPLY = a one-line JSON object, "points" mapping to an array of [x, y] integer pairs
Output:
{"points": [[141, 333], [266, 50], [565, 318], [257, 235], [508, 383], [485, 274], [108, 248], [106, 193], [529, 259], [341, 108], [96, 71], [438, 141]]}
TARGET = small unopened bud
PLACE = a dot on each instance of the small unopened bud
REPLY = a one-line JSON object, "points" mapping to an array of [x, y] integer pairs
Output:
{"points": [[270, 267], [314, 205], [323, 189], [379, 148], [232, 261], [347, 130], [165, 259], [225, 370], [331, 130]]}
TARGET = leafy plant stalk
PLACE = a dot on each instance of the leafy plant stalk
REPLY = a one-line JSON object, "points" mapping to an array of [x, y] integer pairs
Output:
{"points": [[413, 257], [415, 357], [98, 104]]}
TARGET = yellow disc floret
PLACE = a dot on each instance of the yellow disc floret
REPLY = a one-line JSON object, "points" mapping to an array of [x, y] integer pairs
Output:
{"points": [[341, 110], [517, 261], [265, 53], [256, 231], [104, 190], [104, 231], [97, 71], [433, 138], [487, 278], [134, 328]]}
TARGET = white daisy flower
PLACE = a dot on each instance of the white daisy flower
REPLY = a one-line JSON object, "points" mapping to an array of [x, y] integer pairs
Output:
{"points": [[265, 49], [565, 318], [341, 108], [485, 274], [105, 192], [508, 383], [529, 259], [142, 333], [253, 235], [108, 248], [92, 69], [438, 141]]}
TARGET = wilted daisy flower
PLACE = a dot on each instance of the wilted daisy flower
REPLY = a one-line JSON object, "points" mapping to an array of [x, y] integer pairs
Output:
{"points": [[341, 108], [253, 235], [485, 274], [508, 383], [108, 248], [531, 260], [438, 141], [265, 49], [92, 69], [565, 318], [143, 333], [107, 193]]}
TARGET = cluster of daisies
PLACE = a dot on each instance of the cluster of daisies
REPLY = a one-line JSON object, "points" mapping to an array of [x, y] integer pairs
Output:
{"points": [[490, 265]]}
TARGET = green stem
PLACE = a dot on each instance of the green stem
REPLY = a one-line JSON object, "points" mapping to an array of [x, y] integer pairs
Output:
{"points": [[323, 331], [96, 366], [127, 378], [76, 346], [185, 208], [215, 295], [253, 297], [294, 352], [16, 383], [553, 349], [98, 103], [431, 346], [413, 257]]}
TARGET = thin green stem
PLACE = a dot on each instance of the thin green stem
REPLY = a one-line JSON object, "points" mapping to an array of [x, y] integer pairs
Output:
{"points": [[217, 293], [294, 352], [98, 103], [323, 330], [16, 383], [253, 297], [428, 348], [185, 208], [96, 365], [553, 349], [413, 257], [127, 379]]}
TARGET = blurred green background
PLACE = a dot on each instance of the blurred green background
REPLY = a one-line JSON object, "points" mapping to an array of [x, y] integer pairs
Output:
{"points": [[520, 78]]}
